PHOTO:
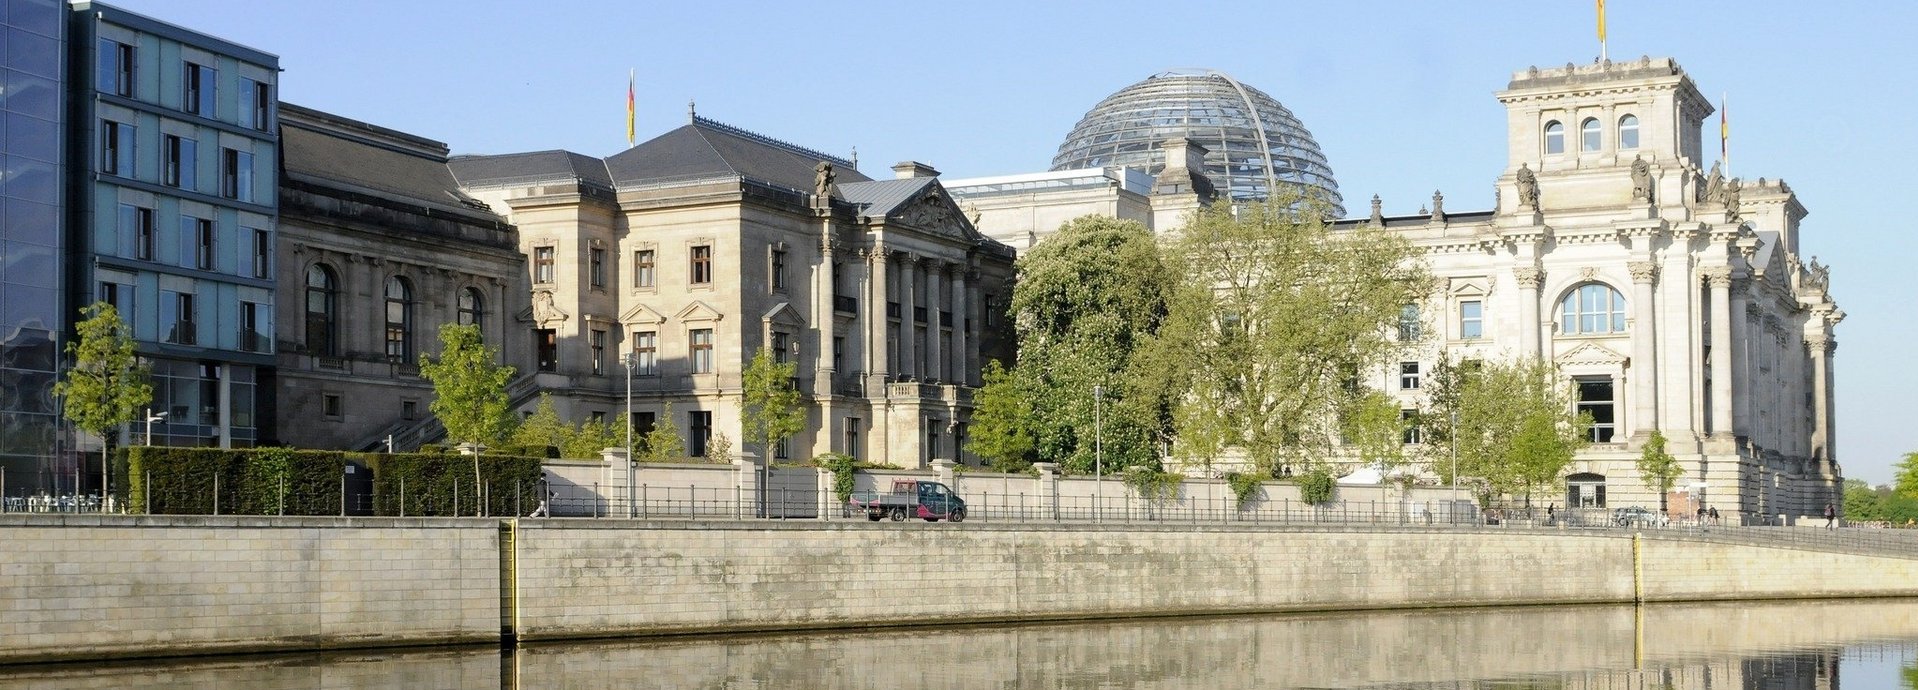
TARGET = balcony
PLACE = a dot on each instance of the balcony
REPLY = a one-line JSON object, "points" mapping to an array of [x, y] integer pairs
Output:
{"points": [[845, 305]]}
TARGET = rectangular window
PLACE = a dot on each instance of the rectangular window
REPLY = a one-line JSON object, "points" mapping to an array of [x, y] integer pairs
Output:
{"points": [[116, 148], [262, 253], [781, 344], [1471, 319], [702, 270], [932, 440], [839, 353], [197, 85], [642, 425], [645, 353], [182, 162], [185, 329], [599, 418], [702, 350], [236, 174], [542, 264], [546, 346], [1409, 420], [1595, 398], [257, 98], [110, 294], [136, 225], [202, 234], [852, 438], [781, 450], [252, 339], [702, 428], [409, 409], [643, 263], [596, 338], [1409, 323], [330, 405], [1408, 375], [596, 267], [778, 269], [116, 68]]}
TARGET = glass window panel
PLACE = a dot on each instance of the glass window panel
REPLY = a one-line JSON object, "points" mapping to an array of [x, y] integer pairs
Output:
{"points": [[27, 221], [41, 16], [29, 264], [33, 180], [29, 306], [1554, 137], [31, 95], [1589, 135], [1628, 132], [27, 348], [32, 137], [33, 53]]}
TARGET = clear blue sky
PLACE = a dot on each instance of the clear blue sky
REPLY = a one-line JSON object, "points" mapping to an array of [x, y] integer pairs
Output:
{"points": [[1398, 94]]}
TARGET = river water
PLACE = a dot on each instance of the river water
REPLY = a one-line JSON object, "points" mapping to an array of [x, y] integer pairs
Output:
{"points": [[1824, 645]]}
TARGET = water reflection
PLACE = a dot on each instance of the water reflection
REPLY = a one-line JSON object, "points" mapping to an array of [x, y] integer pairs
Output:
{"points": [[1814, 646]]}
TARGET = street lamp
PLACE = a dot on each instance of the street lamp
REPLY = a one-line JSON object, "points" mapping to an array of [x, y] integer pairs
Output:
{"points": [[1454, 445], [151, 418], [1098, 444], [631, 360]]}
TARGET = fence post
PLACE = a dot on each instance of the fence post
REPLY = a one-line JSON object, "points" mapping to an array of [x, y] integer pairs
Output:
{"points": [[216, 493], [642, 500], [739, 496], [517, 508], [595, 500], [342, 494], [692, 502], [402, 496], [456, 497], [146, 489]]}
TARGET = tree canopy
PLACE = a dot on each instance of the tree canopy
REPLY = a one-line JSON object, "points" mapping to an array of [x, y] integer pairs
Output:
{"points": [[1515, 427], [1658, 468], [770, 408], [107, 385], [469, 387]]}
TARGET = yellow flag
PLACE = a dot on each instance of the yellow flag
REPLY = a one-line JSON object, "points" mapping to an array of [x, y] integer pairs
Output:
{"points": [[1601, 21]]}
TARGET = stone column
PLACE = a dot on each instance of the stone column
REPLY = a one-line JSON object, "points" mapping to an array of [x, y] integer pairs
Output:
{"points": [[1820, 348], [933, 365], [878, 363], [960, 375], [1644, 345], [976, 307], [1719, 278], [908, 355], [823, 314], [1529, 326], [1742, 379]]}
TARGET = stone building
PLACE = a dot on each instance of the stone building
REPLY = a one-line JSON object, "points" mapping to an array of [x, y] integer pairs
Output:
{"points": [[378, 247], [1672, 297], [692, 251]]}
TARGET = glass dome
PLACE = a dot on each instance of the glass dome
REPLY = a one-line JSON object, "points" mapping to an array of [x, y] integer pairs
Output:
{"points": [[1242, 128]]}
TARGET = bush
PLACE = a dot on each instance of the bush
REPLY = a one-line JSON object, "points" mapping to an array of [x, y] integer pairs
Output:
{"points": [[1152, 484], [1244, 486], [844, 476], [1316, 487], [263, 481], [424, 484]]}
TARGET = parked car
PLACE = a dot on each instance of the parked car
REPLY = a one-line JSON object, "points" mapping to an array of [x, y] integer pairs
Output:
{"points": [[931, 501], [1638, 516]]}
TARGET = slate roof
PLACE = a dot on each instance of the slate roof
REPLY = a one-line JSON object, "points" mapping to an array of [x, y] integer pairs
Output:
{"points": [[355, 156], [550, 165], [706, 148], [880, 198]]}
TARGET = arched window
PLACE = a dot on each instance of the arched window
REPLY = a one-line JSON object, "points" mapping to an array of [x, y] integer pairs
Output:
{"points": [[1554, 137], [1588, 135], [1628, 132], [399, 320], [1592, 308], [472, 308], [322, 311]]}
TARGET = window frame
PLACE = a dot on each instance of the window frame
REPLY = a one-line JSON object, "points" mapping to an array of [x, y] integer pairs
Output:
{"points": [[1628, 132], [1600, 432], [596, 268], [1409, 376], [701, 270], [205, 238], [199, 90], [1410, 324], [1554, 138], [123, 63], [399, 333], [471, 308], [1476, 321], [326, 342], [1573, 310], [262, 253], [596, 341], [645, 353], [544, 257], [181, 160], [1591, 135], [699, 350], [118, 148], [645, 268], [236, 174], [776, 267]]}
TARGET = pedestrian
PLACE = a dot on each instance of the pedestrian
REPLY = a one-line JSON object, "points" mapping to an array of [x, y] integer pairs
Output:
{"points": [[543, 510], [1831, 516], [1712, 513]]}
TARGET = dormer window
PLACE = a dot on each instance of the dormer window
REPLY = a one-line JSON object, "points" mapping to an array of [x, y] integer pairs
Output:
{"points": [[1628, 132], [1588, 135], [1554, 137]]}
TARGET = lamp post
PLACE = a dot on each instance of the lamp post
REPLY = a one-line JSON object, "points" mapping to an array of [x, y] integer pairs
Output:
{"points": [[1454, 455], [151, 418], [631, 359], [1098, 444]]}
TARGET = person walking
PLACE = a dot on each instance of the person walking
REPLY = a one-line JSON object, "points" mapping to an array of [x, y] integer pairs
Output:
{"points": [[1831, 516], [544, 509]]}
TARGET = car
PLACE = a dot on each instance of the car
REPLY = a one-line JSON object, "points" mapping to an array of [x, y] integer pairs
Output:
{"points": [[1638, 516]]}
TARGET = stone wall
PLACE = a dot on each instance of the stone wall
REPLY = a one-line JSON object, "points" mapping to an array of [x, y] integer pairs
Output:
{"points": [[76, 587], [91, 586]]}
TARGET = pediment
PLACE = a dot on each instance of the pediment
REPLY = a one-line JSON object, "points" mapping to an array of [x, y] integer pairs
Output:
{"points": [[1471, 285], [785, 315], [641, 314], [699, 311], [1592, 354], [543, 312], [933, 211]]}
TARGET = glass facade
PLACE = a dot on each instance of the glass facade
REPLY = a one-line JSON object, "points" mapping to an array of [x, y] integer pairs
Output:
{"points": [[32, 119], [1248, 134]]}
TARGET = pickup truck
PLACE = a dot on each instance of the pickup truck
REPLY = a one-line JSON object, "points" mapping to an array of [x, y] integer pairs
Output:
{"points": [[931, 501]]}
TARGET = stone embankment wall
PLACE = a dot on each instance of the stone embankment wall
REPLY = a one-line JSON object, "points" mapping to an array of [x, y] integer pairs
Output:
{"points": [[82, 587]]}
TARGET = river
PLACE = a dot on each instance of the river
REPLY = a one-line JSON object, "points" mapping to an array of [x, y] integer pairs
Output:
{"points": [[1821, 645]]}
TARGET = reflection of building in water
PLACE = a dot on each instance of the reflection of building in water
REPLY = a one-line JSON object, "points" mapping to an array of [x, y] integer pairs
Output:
{"points": [[1792, 670]]}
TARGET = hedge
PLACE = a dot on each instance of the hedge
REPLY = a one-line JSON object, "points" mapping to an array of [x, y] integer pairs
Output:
{"points": [[262, 481], [420, 484]]}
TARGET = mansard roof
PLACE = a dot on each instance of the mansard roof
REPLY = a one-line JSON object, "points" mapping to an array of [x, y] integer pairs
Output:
{"points": [[705, 148], [530, 168], [348, 155]]}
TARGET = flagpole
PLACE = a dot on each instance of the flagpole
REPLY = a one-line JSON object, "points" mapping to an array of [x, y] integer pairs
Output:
{"points": [[630, 73], [1724, 134], [1601, 31]]}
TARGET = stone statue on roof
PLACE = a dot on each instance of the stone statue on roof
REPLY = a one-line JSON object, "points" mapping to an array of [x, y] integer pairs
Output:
{"points": [[1438, 207], [1641, 179], [1729, 195], [1714, 184], [1527, 187], [822, 179], [1817, 276], [1378, 211]]}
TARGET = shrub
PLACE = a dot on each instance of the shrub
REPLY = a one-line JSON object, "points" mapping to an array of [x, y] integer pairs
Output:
{"points": [[1244, 486], [1152, 484], [1316, 487], [263, 481], [424, 484], [844, 470]]}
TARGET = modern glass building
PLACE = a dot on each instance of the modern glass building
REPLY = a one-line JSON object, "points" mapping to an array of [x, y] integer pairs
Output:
{"points": [[173, 210], [1253, 142], [32, 109]]}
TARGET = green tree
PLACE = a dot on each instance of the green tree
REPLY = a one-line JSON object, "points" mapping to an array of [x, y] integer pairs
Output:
{"points": [[1515, 427], [769, 406], [663, 443], [720, 449], [1085, 300], [1374, 429], [544, 429], [1272, 317], [588, 438], [1658, 468], [1862, 502], [107, 385], [1001, 421], [469, 389], [1906, 482]]}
